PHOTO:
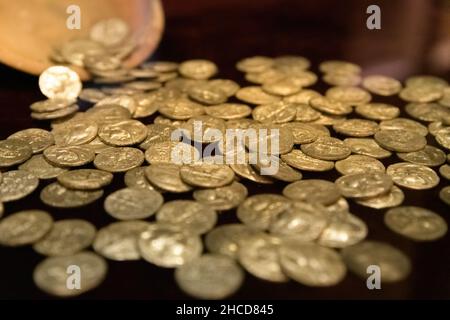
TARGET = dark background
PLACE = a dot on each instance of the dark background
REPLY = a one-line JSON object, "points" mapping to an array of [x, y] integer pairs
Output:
{"points": [[414, 39]]}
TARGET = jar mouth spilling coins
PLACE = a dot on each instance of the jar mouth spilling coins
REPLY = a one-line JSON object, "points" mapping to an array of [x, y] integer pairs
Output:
{"points": [[304, 233]]}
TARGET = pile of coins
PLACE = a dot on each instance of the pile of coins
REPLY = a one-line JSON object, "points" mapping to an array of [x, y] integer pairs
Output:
{"points": [[305, 233]]}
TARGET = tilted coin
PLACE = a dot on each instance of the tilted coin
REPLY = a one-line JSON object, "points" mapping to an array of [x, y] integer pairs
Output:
{"points": [[97, 146], [428, 156], [277, 169], [248, 172], [210, 277], [428, 112], [382, 85], [204, 129], [2, 209], [291, 62], [17, 184], [302, 132], [13, 152], [135, 178], [435, 126], [356, 127], [92, 95], [118, 241], [269, 139], [278, 112], [157, 133], [124, 101], [326, 148], [229, 87], [181, 109], [169, 246], [25, 227], [363, 185], [445, 171], [342, 232], [394, 265], [393, 198], [58, 114], [109, 32], [255, 95], [313, 191], [259, 256], [338, 209], [330, 106], [413, 176], [76, 50], [359, 164], [378, 111], [160, 66], [229, 111], [339, 66], [420, 94], [222, 198], [303, 97], [416, 223], [348, 95], [119, 159], [85, 179], [55, 195], [60, 82], [133, 203], [37, 139], [143, 85], [75, 134], [287, 85], [444, 195], [299, 160], [71, 156], [51, 274], [166, 176], [426, 80], [367, 147], [147, 105], [66, 237], [123, 133], [311, 264], [328, 119], [110, 113], [305, 113], [443, 137], [41, 168], [50, 105], [404, 124], [207, 175], [342, 79], [198, 69], [254, 64], [207, 94], [400, 140], [191, 216]]}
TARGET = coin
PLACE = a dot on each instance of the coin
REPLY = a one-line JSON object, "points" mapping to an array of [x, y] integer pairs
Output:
{"points": [[413, 176], [118, 241], [287, 85], [17, 185], [435, 126], [166, 176], [342, 79], [41, 168], [338, 66], [363, 185], [443, 137], [85, 179], [382, 85], [55, 195], [108, 114], [277, 169], [311, 264], [444, 195], [24, 227], [366, 147], [255, 95], [426, 80], [420, 94], [70, 156], [207, 175], [342, 232], [393, 198], [254, 64], [428, 112], [110, 32], [13, 152], [222, 198], [168, 246], [404, 124], [359, 164], [135, 178], [37, 139], [416, 223], [188, 215], [378, 111], [207, 94], [428, 156], [50, 105], [157, 133], [326, 148], [400, 140], [123, 133], [229, 111], [119, 159], [91, 95], [278, 112], [60, 82], [393, 264], [299, 160], [330, 106], [133, 203], [75, 134], [210, 277], [248, 172], [348, 95], [356, 127], [197, 69], [66, 237], [2, 209], [445, 171], [313, 191], [51, 274], [181, 109], [58, 114], [121, 100], [302, 132]]}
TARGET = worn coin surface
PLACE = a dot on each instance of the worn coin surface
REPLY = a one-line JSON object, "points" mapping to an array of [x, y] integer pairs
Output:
{"points": [[119, 159], [51, 274], [210, 276], [58, 196], [443, 137], [276, 168], [416, 223], [428, 156], [41, 168], [405, 125], [50, 105], [157, 133], [75, 134], [229, 111], [326, 148], [363, 185], [248, 172], [85, 179], [367, 147], [356, 127], [382, 85], [400, 140], [133, 203], [413, 176], [66, 237], [359, 164], [444, 195], [25, 227], [13, 152], [255, 95], [313, 191], [171, 152], [299, 160], [58, 114], [71, 156], [378, 111], [135, 178], [37, 139], [60, 82], [198, 69], [222, 198], [123, 133], [207, 175], [343, 231], [444, 170], [17, 184], [392, 198], [166, 176], [169, 246]]}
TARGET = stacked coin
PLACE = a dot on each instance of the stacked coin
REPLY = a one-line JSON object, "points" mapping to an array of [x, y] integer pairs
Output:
{"points": [[305, 232]]}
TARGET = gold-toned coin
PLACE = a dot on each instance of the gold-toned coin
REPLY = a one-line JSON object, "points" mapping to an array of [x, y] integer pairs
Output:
{"points": [[135, 178], [305, 113], [97, 145], [248, 172], [416, 223], [169, 246], [222, 198], [428, 112], [119, 159], [91, 95], [50, 105], [348, 95], [171, 152], [207, 175], [166, 176], [378, 111], [17, 185], [143, 85], [342, 79], [75, 134], [435, 126], [191, 216], [444, 195], [70, 156], [228, 111], [59, 82], [108, 114], [356, 127], [359, 164], [41, 168], [428, 156], [299, 160], [76, 50], [367, 147], [198, 69], [426, 80], [157, 133], [277, 169], [85, 179], [382, 85], [160, 66], [328, 120], [302, 132], [51, 274], [204, 129], [339, 66], [364, 185], [343, 231], [326, 148], [229, 87], [254, 64], [181, 109], [123, 133], [413, 176], [147, 105], [443, 137], [286, 86], [207, 93], [125, 101], [210, 277], [394, 265], [278, 112], [255, 95], [13, 152], [404, 124], [58, 114], [133, 203], [55, 195], [400, 140], [37, 139], [393, 198], [24, 227], [2, 209], [330, 106], [303, 97], [444, 170], [420, 94], [66, 237], [118, 241], [313, 191], [269, 139], [292, 63], [110, 32]]}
